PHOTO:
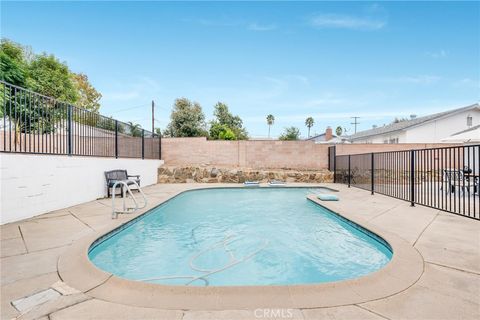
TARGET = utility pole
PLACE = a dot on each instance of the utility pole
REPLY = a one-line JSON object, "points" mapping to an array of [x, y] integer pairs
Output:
{"points": [[355, 122], [153, 117]]}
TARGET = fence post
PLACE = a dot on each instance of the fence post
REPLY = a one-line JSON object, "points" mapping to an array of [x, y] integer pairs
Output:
{"points": [[116, 139], [373, 173], [159, 146], [69, 129], [334, 164], [349, 171], [143, 144], [412, 178]]}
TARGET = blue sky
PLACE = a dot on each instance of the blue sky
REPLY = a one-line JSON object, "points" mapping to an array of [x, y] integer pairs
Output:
{"points": [[328, 60]]}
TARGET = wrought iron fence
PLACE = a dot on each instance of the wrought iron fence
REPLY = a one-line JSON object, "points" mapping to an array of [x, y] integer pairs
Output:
{"points": [[34, 123], [331, 158], [444, 178]]}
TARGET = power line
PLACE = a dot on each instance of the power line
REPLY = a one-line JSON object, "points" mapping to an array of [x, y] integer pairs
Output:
{"points": [[130, 108], [355, 122]]}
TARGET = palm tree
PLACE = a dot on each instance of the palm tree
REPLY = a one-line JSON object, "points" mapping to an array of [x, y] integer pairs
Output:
{"points": [[135, 129], [270, 121], [309, 123]]}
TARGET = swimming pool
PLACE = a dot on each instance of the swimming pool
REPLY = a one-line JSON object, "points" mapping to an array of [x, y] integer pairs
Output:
{"points": [[240, 236]]}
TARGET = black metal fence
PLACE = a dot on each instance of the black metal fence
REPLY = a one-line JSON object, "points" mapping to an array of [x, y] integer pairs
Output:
{"points": [[331, 158], [33, 123], [441, 178]]}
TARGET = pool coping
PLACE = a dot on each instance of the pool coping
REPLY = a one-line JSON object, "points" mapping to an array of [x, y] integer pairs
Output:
{"points": [[405, 268]]}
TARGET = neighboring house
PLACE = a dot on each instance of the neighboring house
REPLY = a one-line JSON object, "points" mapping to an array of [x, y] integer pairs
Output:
{"points": [[471, 135], [433, 128], [326, 137]]}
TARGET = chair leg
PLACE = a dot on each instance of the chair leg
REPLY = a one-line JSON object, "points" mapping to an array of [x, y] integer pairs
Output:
{"points": [[108, 192]]}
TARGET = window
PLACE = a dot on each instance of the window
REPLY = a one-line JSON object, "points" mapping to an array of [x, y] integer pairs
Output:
{"points": [[469, 121]]}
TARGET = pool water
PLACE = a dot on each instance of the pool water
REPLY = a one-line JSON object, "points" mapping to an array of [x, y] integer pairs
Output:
{"points": [[241, 236]]}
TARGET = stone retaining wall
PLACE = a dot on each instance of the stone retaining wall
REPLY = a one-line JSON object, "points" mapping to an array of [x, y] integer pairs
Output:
{"points": [[190, 174]]}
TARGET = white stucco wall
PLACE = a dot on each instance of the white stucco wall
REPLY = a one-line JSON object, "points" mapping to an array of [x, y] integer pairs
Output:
{"points": [[34, 184], [401, 136]]}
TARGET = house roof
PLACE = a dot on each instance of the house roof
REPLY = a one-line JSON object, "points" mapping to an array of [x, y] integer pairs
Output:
{"points": [[402, 125], [319, 135], [466, 130], [470, 135]]}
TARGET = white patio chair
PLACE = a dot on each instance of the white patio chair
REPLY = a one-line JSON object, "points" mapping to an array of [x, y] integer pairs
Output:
{"points": [[452, 181], [471, 186]]}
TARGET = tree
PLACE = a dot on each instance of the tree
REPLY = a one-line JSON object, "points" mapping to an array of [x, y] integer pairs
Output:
{"points": [[186, 120], [13, 50], [88, 97], [106, 123], [52, 78], [290, 133], [221, 132], [12, 63], [46, 75], [13, 70], [309, 123], [339, 131], [227, 134], [135, 129], [224, 118], [270, 122]]}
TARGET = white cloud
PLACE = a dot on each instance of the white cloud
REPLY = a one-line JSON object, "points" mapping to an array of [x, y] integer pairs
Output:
{"points": [[218, 22], [298, 118], [261, 27], [121, 95], [365, 115], [288, 80], [302, 79], [467, 83], [229, 22], [437, 54], [339, 21], [417, 79], [131, 92], [325, 101]]}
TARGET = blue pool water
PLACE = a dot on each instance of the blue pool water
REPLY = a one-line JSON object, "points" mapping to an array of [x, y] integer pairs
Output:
{"points": [[241, 236]]}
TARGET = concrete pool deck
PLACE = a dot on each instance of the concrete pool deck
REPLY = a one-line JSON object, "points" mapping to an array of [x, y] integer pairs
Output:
{"points": [[448, 286]]}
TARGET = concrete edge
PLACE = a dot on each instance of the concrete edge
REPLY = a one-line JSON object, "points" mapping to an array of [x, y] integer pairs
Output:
{"points": [[405, 268]]}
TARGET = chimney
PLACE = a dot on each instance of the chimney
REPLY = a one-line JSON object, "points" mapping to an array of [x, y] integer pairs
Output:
{"points": [[328, 134]]}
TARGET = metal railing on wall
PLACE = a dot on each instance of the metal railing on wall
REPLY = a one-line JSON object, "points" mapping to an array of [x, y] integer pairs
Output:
{"points": [[445, 178], [37, 124]]}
